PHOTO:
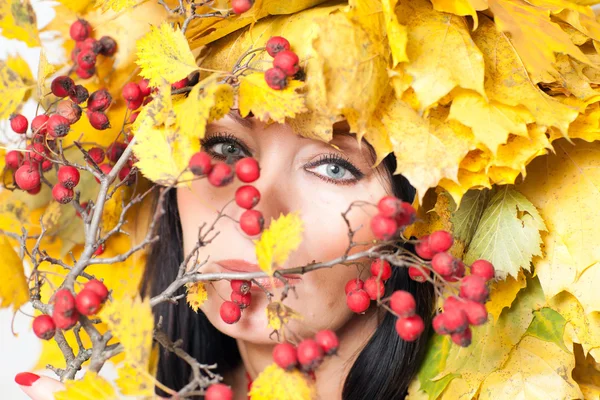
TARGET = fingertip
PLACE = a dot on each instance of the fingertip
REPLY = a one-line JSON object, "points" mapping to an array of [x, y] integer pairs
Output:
{"points": [[38, 387], [26, 378]]}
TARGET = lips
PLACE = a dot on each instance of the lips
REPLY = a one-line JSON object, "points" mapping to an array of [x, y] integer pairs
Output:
{"points": [[236, 265]]}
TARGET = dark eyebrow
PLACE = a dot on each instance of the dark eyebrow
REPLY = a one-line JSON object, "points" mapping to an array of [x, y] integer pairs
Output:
{"points": [[234, 114]]}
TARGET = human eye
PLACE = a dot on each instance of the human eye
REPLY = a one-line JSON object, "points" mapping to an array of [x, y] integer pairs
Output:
{"points": [[335, 169], [223, 145]]}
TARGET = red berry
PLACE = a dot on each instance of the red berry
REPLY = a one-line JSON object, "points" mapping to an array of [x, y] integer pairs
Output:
{"points": [[58, 126], [439, 324], [383, 267], [240, 286], [91, 44], [180, 84], [88, 302], [80, 30], [476, 312], [462, 339], [145, 88], [453, 302], [276, 78], [374, 288], [440, 241], [131, 92], [247, 196], [200, 163], [13, 159], [242, 300], [64, 303], [403, 303], [35, 152], [218, 391], [241, 6], [39, 124], [44, 327], [18, 123], [221, 174], [100, 249], [410, 328], [275, 44], [247, 170], [328, 341], [108, 46], [310, 354], [147, 100], [473, 287], [133, 117], [65, 322], [389, 206], [86, 59], [70, 110], [287, 61], [483, 268], [455, 319], [98, 120], [407, 215], [105, 168], [423, 250], [68, 176], [62, 86], [35, 191], [285, 356], [230, 312], [115, 151], [46, 165], [62, 194], [358, 301], [135, 104], [418, 275], [458, 273], [79, 94], [85, 73], [252, 222], [100, 100], [354, 284], [444, 264], [96, 286], [126, 175], [27, 178], [96, 154], [384, 228]]}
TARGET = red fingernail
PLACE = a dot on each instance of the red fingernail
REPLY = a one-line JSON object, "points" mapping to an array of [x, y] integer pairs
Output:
{"points": [[26, 378]]}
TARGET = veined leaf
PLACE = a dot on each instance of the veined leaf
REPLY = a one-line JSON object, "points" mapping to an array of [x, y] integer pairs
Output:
{"points": [[276, 383], [19, 21], [548, 325], [196, 295], [503, 293], [135, 381], [12, 90], [13, 286], [466, 218], [434, 363], [283, 236]]}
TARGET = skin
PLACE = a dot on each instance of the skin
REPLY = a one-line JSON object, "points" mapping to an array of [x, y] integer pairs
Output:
{"points": [[286, 185]]}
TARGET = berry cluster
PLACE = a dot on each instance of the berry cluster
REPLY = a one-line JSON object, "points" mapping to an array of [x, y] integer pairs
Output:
{"points": [[285, 63], [67, 308], [309, 353], [221, 174], [393, 216], [68, 178], [231, 311], [86, 50], [359, 294]]}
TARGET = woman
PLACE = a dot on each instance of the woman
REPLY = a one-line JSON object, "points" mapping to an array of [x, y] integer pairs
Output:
{"points": [[320, 181]]}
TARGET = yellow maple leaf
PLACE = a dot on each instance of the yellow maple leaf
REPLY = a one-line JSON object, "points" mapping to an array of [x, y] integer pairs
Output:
{"points": [[20, 66], [44, 71], [462, 8], [115, 5], [164, 54], [196, 295], [283, 236], [134, 381], [78, 6], [441, 52], [19, 21], [269, 104], [132, 322], [278, 314], [397, 34], [587, 374], [536, 369], [13, 289], [503, 293], [275, 383], [90, 387], [12, 90]]}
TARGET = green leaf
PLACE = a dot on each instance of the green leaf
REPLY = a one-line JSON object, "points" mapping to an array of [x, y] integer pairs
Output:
{"points": [[548, 325], [508, 234], [435, 361], [466, 218]]}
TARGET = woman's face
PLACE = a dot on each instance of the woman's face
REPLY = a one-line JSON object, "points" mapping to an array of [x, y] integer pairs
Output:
{"points": [[297, 174]]}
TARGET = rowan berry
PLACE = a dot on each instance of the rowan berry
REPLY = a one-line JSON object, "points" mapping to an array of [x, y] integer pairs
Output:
{"points": [[86, 59], [384, 228], [444, 264], [64, 303], [285, 356], [145, 88], [410, 328], [62, 86], [240, 286], [242, 300], [440, 241], [18, 123], [79, 94], [133, 117], [458, 273], [39, 124], [407, 215], [422, 248], [483, 268], [13, 159], [62, 194], [439, 324], [88, 302], [115, 151], [97, 287], [44, 327], [108, 46], [36, 152], [80, 30], [35, 190], [131, 92], [70, 110], [180, 84], [218, 391], [328, 341], [455, 319], [105, 168], [463, 338], [200, 163], [221, 174], [58, 126], [27, 177], [358, 301], [381, 268], [353, 284], [100, 249], [275, 44], [287, 61], [96, 154], [310, 354], [100, 100], [418, 274], [476, 312], [276, 78], [374, 288], [68, 176], [46, 165], [247, 196], [403, 303], [241, 6], [125, 175], [135, 104], [85, 73], [389, 206], [247, 169], [90, 44], [252, 222], [473, 287], [230, 312], [98, 120], [65, 322]]}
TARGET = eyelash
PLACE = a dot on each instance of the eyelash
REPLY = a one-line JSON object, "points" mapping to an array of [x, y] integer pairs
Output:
{"points": [[330, 158]]}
